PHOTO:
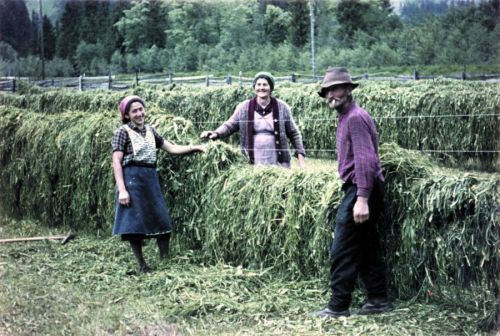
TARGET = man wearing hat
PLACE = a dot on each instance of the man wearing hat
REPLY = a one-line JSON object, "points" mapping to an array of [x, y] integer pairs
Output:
{"points": [[355, 248]]}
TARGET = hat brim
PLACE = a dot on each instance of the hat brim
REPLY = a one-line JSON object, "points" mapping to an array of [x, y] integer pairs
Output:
{"points": [[325, 87]]}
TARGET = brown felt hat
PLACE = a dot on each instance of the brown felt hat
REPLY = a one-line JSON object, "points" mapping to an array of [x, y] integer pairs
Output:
{"points": [[335, 76]]}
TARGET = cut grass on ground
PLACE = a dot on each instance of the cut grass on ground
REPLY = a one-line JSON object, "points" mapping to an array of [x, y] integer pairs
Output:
{"points": [[82, 288]]}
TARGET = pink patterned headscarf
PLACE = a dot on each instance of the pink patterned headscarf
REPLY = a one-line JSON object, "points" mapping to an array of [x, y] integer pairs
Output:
{"points": [[125, 105]]}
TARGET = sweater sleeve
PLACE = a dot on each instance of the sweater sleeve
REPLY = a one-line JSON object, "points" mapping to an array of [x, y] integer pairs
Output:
{"points": [[232, 124], [292, 131]]}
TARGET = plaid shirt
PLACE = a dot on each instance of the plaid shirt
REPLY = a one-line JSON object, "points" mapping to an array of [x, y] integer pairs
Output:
{"points": [[357, 149], [121, 142]]}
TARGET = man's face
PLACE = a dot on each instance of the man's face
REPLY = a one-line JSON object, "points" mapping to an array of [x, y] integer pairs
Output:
{"points": [[337, 95]]}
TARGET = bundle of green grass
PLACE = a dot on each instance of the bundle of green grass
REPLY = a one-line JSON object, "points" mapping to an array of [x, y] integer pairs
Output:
{"points": [[443, 236]]}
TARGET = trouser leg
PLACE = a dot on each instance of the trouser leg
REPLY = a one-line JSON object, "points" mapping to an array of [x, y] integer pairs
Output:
{"points": [[344, 253], [372, 266], [163, 245], [356, 250]]}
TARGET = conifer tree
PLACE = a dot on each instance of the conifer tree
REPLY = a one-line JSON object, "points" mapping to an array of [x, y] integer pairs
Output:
{"points": [[15, 25], [299, 23]]}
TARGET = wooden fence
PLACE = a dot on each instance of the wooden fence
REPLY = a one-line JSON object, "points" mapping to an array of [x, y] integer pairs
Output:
{"points": [[110, 82]]}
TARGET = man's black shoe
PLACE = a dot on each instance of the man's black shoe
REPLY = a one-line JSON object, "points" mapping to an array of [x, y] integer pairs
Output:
{"points": [[375, 306], [327, 312]]}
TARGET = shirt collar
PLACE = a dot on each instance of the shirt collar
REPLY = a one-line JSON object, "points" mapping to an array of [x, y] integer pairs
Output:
{"points": [[264, 110]]}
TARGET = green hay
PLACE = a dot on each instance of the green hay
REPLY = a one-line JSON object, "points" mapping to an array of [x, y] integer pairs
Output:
{"points": [[443, 238], [268, 217], [414, 115], [81, 289], [66, 163]]}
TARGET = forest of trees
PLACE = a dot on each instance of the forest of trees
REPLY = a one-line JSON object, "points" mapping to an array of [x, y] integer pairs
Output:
{"points": [[97, 37]]}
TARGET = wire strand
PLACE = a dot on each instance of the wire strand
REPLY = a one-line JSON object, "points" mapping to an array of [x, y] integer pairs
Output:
{"points": [[418, 150], [380, 117]]}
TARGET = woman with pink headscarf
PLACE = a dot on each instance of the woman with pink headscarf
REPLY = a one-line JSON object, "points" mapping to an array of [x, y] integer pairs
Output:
{"points": [[141, 212]]}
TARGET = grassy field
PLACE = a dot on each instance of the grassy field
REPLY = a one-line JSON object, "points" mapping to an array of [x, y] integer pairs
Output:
{"points": [[83, 288]]}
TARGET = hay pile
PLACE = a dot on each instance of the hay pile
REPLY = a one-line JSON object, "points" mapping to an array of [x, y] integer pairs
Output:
{"points": [[441, 235], [415, 115]]}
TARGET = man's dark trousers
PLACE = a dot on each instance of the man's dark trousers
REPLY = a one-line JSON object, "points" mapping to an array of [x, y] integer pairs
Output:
{"points": [[356, 250]]}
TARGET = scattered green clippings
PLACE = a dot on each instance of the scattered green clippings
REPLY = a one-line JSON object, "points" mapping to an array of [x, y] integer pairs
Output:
{"points": [[441, 236], [81, 288]]}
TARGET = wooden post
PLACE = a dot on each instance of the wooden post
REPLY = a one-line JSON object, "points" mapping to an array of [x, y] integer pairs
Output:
{"points": [[207, 81], [313, 49], [13, 85], [42, 39], [229, 79], [170, 80], [110, 80], [239, 79], [415, 74], [137, 78], [80, 83], [464, 76], [293, 78], [365, 76]]}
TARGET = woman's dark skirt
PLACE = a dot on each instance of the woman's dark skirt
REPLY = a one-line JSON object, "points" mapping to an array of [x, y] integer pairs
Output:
{"points": [[147, 216]]}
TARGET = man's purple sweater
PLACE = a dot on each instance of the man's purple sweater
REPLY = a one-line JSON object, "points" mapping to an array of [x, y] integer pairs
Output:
{"points": [[357, 149]]}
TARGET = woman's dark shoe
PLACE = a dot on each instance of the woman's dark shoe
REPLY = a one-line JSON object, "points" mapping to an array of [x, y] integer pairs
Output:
{"points": [[375, 306], [327, 312]]}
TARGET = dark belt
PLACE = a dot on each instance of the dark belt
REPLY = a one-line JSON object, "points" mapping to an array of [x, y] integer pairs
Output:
{"points": [[141, 164]]}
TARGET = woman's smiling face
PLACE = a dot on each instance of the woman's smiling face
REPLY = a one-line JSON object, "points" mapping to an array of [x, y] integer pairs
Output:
{"points": [[137, 114], [262, 88]]}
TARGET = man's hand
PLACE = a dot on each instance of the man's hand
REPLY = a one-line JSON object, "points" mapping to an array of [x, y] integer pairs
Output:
{"points": [[361, 211]]}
